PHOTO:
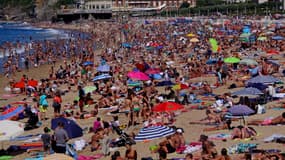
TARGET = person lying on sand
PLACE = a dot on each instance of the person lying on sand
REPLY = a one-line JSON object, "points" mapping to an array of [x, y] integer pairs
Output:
{"points": [[243, 132], [210, 118], [277, 120]]}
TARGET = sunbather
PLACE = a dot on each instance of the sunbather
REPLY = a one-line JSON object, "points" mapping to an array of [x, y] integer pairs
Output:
{"points": [[243, 132], [277, 120]]}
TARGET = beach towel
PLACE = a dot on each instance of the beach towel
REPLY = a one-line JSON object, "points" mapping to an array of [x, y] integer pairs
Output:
{"points": [[11, 112], [273, 137], [97, 156], [23, 138], [219, 136], [190, 148], [6, 157], [241, 148], [9, 95]]}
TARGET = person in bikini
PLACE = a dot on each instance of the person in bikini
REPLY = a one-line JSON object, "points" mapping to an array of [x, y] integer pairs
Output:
{"points": [[277, 120]]}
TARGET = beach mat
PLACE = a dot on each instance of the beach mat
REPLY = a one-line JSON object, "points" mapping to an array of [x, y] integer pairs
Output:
{"points": [[11, 112]]}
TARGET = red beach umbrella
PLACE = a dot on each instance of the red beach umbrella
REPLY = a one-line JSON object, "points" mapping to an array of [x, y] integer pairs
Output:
{"points": [[272, 51], [167, 106], [33, 83], [19, 85]]}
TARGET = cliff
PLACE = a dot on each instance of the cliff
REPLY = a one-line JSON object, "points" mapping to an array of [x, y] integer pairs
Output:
{"points": [[30, 9]]}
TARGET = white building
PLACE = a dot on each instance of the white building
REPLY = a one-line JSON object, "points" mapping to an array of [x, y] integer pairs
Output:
{"points": [[94, 4]]}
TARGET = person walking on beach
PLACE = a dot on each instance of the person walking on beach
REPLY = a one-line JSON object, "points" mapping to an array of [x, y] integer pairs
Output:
{"points": [[61, 138], [57, 104]]}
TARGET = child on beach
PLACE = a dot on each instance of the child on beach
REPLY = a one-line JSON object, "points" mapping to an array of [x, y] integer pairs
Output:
{"points": [[46, 138]]}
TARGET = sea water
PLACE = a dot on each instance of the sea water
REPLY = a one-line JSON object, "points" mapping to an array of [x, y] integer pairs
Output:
{"points": [[24, 33]]}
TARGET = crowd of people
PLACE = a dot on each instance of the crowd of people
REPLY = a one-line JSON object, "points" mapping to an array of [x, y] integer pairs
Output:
{"points": [[163, 46]]}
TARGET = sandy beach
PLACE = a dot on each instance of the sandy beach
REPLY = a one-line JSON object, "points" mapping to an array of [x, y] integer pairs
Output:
{"points": [[191, 131]]}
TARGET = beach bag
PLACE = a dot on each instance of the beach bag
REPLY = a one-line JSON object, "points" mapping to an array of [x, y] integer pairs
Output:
{"points": [[260, 109]]}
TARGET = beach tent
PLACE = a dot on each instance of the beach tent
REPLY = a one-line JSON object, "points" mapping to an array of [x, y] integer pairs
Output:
{"points": [[154, 132], [167, 106], [73, 130], [10, 129]]}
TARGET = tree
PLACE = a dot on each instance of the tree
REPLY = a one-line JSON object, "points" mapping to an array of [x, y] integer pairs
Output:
{"points": [[185, 4]]}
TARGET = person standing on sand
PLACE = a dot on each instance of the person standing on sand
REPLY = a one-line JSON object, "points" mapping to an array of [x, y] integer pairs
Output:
{"points": [[57, 104], [61, 137]]}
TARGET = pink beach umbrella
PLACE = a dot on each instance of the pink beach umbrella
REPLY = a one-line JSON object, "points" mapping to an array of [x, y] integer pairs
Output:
{"points": [[152, 71], [138, 76]]}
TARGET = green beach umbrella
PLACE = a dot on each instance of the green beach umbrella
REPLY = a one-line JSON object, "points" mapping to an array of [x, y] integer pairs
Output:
{"points": [[231, 60], [262, 38], [89, 89], [248, 62]]}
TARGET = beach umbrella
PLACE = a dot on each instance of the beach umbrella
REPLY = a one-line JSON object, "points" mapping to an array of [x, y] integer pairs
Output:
{"points": [[10, 129], [134, 84], [57, 156], [262, 38], [167, 106], [138, 76], [87, 63], [153, 132], [102, 77], [248, 62], [211, 61], [277, 38], [180, 86], [190, 35], [263, 79], [272, 51], [240, 110], [194, 40], [164, 83], [231, 60], [126, 45], [33, 83], [152, 71], [19, 85], [247, 91], [103, 68], [89, 89]]}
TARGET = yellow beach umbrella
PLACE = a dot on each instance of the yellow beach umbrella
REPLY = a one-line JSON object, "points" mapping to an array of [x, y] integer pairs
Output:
{"points": [[194, 40], [190, 35]]}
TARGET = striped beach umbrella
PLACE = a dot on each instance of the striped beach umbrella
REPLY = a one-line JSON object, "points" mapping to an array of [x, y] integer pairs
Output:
{"points": [[154, 132]]}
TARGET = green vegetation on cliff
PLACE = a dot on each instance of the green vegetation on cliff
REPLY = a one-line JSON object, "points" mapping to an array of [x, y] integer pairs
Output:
{"points": [[15, 3]]}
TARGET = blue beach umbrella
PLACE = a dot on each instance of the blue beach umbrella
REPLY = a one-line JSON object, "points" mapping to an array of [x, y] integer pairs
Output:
{"points": [[154, 132], [277, 38], [241, 110], [87, 63], [103, 68], [101, 77], [263, 79], [248, 91], [126, 45]]}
